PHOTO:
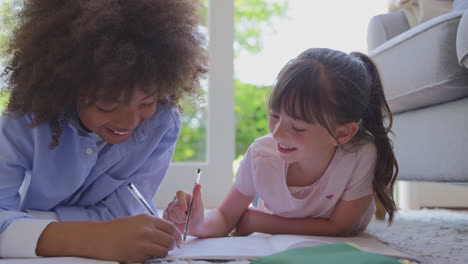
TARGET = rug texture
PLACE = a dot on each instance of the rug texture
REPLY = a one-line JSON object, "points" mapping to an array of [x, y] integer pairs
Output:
{"points": [[432, 235]]}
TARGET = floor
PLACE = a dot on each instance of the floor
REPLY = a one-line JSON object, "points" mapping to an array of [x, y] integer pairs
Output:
{"points": [[432, 235]]}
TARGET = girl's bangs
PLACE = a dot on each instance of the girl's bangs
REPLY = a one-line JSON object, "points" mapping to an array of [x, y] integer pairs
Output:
{"points": [[299, 98]]}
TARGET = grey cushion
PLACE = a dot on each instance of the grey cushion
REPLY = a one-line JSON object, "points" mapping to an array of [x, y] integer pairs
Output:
{"points": [[431, 144], [462, 40], [420, 67], [384, 27], [460, 4]]}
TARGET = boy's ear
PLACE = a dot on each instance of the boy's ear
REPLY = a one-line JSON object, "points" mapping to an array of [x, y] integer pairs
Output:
{"points": [[345, 133]]}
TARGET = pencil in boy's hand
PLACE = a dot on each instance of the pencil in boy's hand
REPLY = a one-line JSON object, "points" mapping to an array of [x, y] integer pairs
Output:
{"points": [[197, 179], [133, 189]]}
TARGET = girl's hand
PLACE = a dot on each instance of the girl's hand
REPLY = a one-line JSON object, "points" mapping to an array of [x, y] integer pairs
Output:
{"points": [[177, 210], [129, 239], [245, 226]]}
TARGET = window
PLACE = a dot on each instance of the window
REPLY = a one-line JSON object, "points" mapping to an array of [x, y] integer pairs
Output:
{"points": [[216, 175]]}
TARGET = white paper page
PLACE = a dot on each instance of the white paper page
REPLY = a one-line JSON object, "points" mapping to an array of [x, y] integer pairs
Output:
{"points": [[259, 245], [284, 242], [223, 248], [254, 246]]}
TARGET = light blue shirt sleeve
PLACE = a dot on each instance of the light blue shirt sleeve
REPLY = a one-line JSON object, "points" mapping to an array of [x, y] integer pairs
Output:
{"points": [[15, 161]]}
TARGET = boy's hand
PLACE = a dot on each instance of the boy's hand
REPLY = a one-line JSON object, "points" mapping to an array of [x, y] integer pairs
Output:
{"points": [[139, 238], [176, 211], [128, 239]]}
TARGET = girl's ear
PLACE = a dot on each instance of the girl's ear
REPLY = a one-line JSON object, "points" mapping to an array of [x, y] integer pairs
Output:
{"points": [[345, 133]]}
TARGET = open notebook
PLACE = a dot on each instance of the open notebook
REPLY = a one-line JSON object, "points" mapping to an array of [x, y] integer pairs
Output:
{"points": [[238, 248], [259, 245]]}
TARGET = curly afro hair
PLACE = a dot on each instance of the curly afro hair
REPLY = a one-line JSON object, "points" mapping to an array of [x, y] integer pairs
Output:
{"points": [[70, 51]]}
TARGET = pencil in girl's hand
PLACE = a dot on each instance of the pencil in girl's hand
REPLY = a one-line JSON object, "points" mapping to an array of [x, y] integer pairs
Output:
{"points": [[197, 179]]}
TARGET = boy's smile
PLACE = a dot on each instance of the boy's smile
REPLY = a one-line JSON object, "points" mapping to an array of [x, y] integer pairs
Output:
{"points": [[115, 122], [119, 135]]}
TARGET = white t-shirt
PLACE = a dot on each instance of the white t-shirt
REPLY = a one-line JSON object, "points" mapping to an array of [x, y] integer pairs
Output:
{"points": [[349, 176]]}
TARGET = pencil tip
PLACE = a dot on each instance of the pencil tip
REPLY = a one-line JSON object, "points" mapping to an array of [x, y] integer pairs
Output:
{"points": [[198, 170]]}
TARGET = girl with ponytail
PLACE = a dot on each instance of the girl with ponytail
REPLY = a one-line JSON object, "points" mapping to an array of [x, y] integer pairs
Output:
{"points": [[326, 161]]}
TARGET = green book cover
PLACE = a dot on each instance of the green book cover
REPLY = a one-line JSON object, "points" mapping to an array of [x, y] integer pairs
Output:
{"points": [[338, 253]]}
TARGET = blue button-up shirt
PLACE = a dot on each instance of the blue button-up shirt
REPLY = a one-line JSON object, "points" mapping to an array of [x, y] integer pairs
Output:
{"points": [[74, 179]]}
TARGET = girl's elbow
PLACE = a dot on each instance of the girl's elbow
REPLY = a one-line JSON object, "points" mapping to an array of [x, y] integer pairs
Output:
{"points": [[342, 230], [338, 233]]}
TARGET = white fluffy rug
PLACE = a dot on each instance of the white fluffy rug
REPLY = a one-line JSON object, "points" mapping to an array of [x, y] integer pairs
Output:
{"points": [[432, 236]]}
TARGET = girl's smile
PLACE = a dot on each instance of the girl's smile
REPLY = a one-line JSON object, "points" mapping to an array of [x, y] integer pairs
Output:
{"points": [[299, 141], [284, 149]]}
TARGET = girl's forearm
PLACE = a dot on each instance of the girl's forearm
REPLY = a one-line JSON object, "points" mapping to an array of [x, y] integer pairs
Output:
{"points": [[215, 224], [274, 224]]}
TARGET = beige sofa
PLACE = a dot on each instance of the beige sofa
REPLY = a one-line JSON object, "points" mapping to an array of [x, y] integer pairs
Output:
{"points": [[425, 78]]}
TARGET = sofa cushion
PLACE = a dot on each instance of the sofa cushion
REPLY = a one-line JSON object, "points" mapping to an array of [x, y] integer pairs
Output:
{"points": [[431, 144], [460, 4], [420, 67], [462, 40], [384, 27]]}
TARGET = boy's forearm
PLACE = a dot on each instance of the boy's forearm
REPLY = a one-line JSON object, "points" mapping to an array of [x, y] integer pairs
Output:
{"points": [[274, 224], [67, 239]]}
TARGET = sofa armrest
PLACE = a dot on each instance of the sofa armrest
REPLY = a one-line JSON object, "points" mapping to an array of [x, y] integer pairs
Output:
{"points": [[419, 67], [462, 40], [384, 27]]}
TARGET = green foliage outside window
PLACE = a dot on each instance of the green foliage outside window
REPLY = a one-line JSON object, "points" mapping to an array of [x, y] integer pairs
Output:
{"points": [[191, 143], [3, 100], [8, 23], [251, 114]]}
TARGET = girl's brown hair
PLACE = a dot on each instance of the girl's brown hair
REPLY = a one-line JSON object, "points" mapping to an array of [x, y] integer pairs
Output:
{"points": [[72, 51], [331, 88]]}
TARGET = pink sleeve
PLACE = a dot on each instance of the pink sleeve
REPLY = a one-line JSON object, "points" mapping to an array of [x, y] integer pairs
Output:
{"points": [[244, 177], [360, 183]]}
